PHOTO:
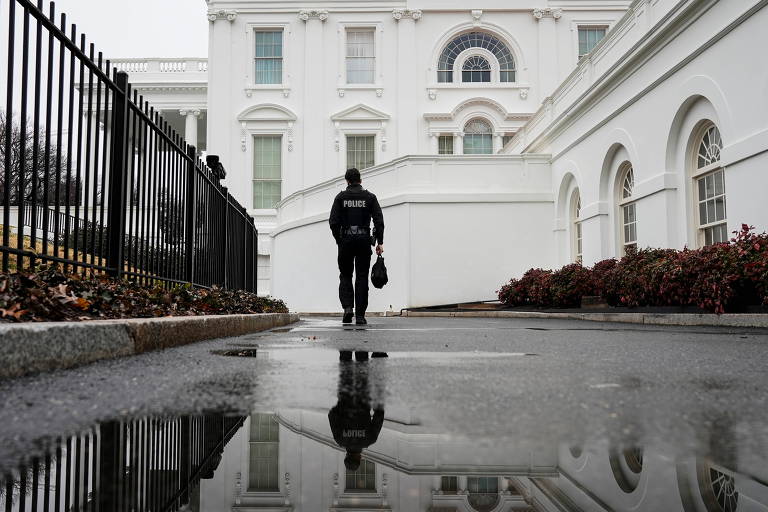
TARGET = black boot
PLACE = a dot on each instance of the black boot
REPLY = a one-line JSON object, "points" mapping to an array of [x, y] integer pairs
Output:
{"points": [[360, 320], [347, 319]]}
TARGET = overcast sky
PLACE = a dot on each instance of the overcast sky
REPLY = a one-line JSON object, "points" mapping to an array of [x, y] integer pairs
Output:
{"points": [[141, 28]]}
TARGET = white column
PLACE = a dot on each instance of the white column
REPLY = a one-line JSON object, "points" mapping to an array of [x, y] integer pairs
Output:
{"points": [[314, 120], [434, 143], [407, 89], [497, 142], [190, 126], [221, 128], [548, 69], [458, 143]]}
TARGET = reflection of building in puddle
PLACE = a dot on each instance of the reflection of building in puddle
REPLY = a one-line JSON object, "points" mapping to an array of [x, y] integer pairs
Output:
{"points": [[290, 460]]}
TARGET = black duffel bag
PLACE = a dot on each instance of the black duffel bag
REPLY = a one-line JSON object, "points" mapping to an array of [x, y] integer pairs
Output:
{"points": [[379, 273]]}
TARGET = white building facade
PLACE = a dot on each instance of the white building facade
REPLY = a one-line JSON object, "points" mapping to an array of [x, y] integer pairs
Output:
{"points": [[498, 137]]}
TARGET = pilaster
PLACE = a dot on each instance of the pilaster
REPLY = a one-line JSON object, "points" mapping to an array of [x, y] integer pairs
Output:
{"points": [[314, 121], [548, 68], [407, 90]]}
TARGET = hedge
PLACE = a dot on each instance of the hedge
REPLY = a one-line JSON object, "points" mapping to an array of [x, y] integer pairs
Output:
{"points": [[723, 277]]}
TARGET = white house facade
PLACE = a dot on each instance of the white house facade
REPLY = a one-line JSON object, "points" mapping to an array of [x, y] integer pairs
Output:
{"points": [[497, 138]]}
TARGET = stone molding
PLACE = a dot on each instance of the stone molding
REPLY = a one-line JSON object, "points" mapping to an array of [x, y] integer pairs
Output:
{"points": [[195, 112], [547, 12], [399, 14], [308, 14], [222, 14]]}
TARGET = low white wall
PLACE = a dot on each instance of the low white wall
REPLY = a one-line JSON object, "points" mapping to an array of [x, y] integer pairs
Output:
{"points": [[456, 229]]}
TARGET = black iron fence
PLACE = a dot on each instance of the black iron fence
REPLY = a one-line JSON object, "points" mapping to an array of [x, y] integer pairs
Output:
{"points": [[147, 464], [94, 179]]}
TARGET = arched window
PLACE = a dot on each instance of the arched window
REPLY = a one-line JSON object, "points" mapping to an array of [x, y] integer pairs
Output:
{"points": [[476, 40], [478, 138], [576, 226], [476, 69], [627, 208], [483, 492], [709, 187]]}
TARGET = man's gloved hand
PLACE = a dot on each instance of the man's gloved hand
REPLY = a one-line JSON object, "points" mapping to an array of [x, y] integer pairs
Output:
{"points": [[379, 249]]}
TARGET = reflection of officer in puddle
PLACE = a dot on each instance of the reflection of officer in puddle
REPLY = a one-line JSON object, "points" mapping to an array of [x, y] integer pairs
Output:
{"points": [[353, 426]]}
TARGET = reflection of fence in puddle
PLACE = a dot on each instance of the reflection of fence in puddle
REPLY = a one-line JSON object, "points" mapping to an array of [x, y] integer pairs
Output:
{"points": [[138, 465]]}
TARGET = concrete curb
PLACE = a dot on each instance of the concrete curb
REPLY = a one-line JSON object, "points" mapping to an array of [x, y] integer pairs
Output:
{"points": [[686, 319], [36, 347]]}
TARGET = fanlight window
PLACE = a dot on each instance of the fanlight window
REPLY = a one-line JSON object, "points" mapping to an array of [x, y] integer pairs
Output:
{"points": [[628, 210], [478, 138], [476, 69], [709, 147], [476, 40], [709, 187]]}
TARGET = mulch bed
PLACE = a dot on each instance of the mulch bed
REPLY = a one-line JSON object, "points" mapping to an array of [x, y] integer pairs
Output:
{"points": [[51, 295]]}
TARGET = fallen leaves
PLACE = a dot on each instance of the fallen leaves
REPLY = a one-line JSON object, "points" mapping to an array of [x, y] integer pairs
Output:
{"points": [[51, 295]]}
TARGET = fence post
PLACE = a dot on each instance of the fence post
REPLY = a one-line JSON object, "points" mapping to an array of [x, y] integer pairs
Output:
{"points": [[117, 177], [226, 235], [189, 227], [244, 256], [255, 235]]}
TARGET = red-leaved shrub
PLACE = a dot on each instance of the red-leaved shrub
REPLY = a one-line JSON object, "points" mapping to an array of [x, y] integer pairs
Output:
{"points": [[718, 278]]}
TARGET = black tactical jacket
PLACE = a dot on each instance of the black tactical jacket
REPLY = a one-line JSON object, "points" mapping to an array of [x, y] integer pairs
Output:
{"points": [[355, 207], [355, 429]]}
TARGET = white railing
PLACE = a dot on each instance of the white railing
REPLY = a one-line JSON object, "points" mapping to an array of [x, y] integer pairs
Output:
{"points": [[157, 65], [632, 28], [420, 177]]}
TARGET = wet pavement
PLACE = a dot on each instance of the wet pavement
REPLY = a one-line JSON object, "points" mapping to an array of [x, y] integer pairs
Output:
{"points": [[404, 414]]}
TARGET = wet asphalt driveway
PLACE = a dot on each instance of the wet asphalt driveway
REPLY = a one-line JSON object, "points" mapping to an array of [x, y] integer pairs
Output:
{"points": [[534, 382]]}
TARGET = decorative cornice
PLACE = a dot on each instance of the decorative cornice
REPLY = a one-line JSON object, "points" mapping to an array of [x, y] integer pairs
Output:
{"points": [[307, 14], [222, 14], [547, 12], [399, 14]]}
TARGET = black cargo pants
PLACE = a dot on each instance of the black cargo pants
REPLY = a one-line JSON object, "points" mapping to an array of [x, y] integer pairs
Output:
{"points": [[354, 255]]}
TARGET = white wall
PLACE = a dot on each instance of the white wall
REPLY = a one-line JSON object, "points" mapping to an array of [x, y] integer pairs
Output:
{"points": [[457, 228]]}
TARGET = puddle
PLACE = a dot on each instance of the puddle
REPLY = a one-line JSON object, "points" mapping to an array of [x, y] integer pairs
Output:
{"points": [[281, 330], [359, 452], [237, 352]]}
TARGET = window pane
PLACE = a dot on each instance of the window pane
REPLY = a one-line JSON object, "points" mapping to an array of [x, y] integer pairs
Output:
{"points": [[361, 151], [702, 213], [263, 456], [364, 479], [269, 61], [445, 145], [589, 37], [361, 61], [267, 170], [478, 144]]}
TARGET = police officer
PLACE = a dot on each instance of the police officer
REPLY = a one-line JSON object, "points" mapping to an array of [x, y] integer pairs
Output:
{"points": [[353, 426], [350, 222]]}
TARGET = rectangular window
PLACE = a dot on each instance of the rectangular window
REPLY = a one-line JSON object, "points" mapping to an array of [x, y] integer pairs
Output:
{"points": [[483, 485], [445, 145], [478, 144], [629, 213], [361, 151], [579, 240], [361, 59], [589, 37], [449, 484], [269, 57], [267, 172], [712, 214], [263, 458], [362, 480]]}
